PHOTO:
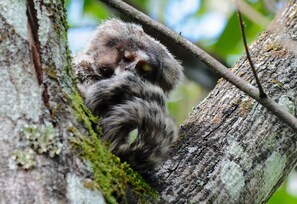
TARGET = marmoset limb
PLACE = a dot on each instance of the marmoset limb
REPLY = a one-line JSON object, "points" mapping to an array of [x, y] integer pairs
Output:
{"points": [[125, 76]]}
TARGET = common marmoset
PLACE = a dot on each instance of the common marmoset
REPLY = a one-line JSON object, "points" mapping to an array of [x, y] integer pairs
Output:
{"points": [[125, 77]]}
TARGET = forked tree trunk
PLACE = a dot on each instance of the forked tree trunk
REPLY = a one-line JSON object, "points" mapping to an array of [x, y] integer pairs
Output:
{"points": [[231, 149]]}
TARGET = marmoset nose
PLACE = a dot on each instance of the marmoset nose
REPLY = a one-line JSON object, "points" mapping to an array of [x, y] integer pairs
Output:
{"points": [[131, 66]]}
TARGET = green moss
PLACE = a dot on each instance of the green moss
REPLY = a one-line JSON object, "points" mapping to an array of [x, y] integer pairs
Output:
{"points": [[110, 176], [84, 115]]}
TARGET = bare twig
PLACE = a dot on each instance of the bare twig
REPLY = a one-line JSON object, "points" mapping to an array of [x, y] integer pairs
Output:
{"points": [[252, 14], [261, 91], [213, 64]]}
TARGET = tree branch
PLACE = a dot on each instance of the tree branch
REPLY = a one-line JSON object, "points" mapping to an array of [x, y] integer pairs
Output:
{"points": [[248, 56], [213, 64]]}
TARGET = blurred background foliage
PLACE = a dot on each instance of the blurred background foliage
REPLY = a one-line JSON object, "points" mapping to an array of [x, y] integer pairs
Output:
{"points": [[211, 24]]}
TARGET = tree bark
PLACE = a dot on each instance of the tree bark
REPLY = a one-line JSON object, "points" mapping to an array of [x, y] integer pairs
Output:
{"points": [[231, 150], [49, 146], [35, 116]]}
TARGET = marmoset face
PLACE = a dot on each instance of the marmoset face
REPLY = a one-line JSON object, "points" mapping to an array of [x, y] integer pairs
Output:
{"points": [[119, 47], [130, 55]]}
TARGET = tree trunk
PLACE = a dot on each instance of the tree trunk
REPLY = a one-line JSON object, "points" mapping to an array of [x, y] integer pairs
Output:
{"points": [[46, 134], [231, 149], [35, 114]]}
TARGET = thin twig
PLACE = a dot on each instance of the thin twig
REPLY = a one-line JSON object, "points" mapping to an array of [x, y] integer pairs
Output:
{"points": [[261, 91], [212, 63]]}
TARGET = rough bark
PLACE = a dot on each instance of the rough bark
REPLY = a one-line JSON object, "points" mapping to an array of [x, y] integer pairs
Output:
{"points": [[34, 115], [232, 150], [50, 150]]}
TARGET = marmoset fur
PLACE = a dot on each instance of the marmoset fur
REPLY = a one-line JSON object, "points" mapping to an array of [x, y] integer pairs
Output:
{"points": [[125, 77]]}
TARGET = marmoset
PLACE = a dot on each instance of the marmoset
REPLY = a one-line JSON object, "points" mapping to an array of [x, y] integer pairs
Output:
{"points": [[125, 77]]}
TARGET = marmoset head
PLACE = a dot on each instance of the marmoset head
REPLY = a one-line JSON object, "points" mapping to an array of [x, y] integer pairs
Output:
{"points": [[119, 47]]}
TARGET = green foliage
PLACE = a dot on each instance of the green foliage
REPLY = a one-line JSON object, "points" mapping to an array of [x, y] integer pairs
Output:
{"points": [[281, 196], [230, 41], [66, 3], [96, 9], [184, 99], [204, 8]]}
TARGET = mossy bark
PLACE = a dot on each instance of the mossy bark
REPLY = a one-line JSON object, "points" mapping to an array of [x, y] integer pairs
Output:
{"points": [[50, 151]]}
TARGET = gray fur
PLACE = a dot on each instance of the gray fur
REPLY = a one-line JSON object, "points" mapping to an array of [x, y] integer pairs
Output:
{"points": [[109, 92], [125, 76], [156, 131]]}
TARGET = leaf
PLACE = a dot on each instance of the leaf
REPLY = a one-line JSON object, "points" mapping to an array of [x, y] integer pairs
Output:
{"points": [[96, 9]]}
